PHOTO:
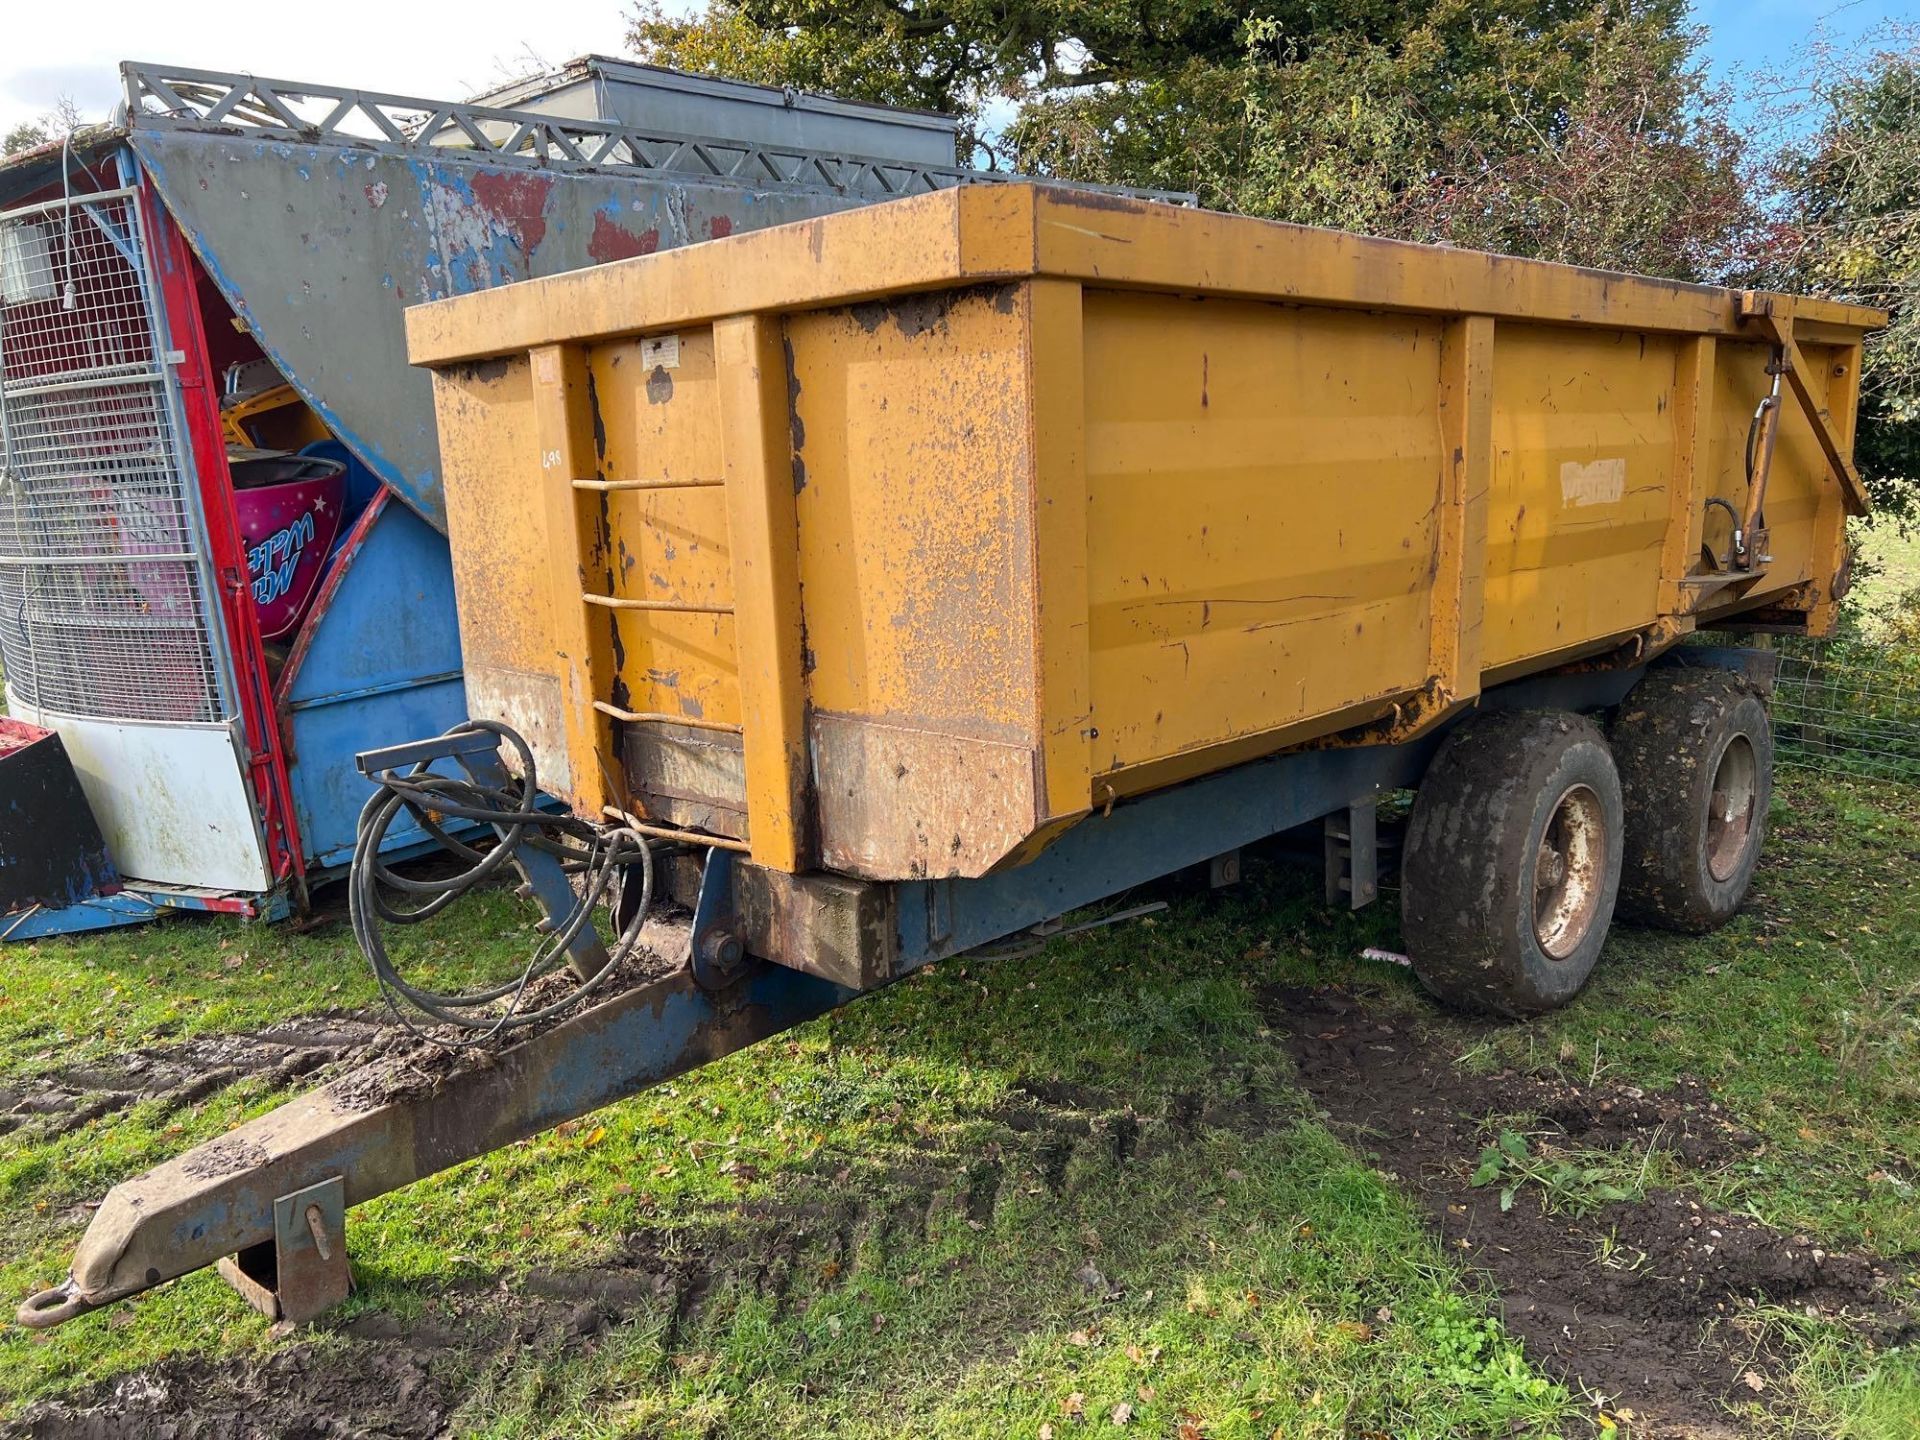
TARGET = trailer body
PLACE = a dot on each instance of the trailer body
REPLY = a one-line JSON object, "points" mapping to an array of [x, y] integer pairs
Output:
{"points": [[896, 543]]}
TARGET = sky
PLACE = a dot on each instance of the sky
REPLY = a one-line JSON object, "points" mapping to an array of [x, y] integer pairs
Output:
{"points": [[414, 50], [1760, 35], [46, 51]]}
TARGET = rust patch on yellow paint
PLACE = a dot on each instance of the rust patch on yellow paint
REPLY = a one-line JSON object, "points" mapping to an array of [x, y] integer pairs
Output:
{"points": [[899, 803], [796, 427]]}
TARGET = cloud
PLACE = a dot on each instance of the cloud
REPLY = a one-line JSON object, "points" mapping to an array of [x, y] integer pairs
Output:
{"points": [[49, 51], [37, 89]]}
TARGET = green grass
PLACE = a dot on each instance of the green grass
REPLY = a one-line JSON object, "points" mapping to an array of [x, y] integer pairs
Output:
{"points": [[1257, 1276], [66, 1002], [1890, 562], [1798, 1016]]}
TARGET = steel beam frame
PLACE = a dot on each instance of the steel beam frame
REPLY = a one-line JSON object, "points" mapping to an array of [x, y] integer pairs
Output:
{"points": [[172, 97]]}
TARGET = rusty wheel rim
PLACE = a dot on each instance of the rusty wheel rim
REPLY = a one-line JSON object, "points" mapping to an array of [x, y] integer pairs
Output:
{"points": [[1569, 873], [1730, 807]]}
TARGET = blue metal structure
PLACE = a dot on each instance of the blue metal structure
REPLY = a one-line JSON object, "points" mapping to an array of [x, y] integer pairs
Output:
{"points": [[380, 656], [137, 905]]}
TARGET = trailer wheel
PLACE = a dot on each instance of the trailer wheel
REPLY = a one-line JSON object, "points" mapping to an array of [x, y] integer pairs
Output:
{"points": [[1696, 767], [1512, 861]]}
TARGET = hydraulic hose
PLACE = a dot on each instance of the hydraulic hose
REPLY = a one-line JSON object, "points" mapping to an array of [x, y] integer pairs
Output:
{"points": [[600, 862]]}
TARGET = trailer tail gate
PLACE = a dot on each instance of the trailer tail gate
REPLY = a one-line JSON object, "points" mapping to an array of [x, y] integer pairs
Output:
{"points": [[896, 541]]}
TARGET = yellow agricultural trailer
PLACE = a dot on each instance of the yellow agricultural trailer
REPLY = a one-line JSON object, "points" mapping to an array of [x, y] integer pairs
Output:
{"points": [[889, 583]]}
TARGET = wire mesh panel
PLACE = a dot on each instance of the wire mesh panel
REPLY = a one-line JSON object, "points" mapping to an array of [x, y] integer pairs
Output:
{"points": [[1849, 706], [104, 610]]}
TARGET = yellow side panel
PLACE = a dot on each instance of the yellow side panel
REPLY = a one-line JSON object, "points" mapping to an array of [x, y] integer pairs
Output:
{"points": [[912, 465], [494, 508], [1262, 483], [497, 525], [662, 422], [1584, 445], [1800, 483]]}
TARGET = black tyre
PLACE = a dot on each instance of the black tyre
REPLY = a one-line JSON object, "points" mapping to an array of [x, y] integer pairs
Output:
{"points": [[1695, 753], [1512, 861]]}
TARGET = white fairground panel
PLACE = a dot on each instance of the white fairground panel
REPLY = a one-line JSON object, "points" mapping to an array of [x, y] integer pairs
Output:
{"points": [[107, 628]]}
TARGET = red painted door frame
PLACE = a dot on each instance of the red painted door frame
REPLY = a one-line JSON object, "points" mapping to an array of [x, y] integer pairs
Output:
{"points": [[173, 265]]}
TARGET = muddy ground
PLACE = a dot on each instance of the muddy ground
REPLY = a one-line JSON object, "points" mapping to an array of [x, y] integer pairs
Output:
{"points": [[64, 1098], [1639, 1303], [375, 1058]]}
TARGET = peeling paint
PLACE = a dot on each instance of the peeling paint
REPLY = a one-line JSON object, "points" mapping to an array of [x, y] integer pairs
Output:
{"points": [[613, 241], [796, 426], [292, 232], [518, 201]]}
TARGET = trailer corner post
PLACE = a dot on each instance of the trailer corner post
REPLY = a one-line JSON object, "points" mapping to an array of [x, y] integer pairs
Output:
{"points": [[1057, 453], [563, 407], [1775, 319], [757, 444], [1830, 528]]}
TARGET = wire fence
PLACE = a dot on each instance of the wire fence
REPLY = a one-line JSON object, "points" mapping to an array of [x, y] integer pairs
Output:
{"points": [[1849, 706]]}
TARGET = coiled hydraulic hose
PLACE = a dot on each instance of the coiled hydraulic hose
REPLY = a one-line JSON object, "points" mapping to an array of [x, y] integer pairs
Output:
{"points": [[599, 861]]}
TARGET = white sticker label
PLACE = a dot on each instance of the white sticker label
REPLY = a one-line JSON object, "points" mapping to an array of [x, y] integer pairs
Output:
{"points": [[660, 352], [1599, 482]]}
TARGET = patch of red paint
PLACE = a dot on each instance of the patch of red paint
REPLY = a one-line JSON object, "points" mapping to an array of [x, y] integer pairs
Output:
{"points": [[613, 241], [519, 202], [719, 227]]}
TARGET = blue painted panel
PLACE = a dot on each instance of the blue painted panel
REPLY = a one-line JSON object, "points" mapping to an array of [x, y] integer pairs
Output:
{"points": [[381, 666], [100, 912], [391, 621], [328, 792], [136, 906]]}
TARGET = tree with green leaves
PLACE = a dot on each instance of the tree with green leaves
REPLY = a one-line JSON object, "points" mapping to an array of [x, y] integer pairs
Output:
{"points": [[1566, 129], [1582, 131], [1849, 226], [24, 136]]}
